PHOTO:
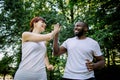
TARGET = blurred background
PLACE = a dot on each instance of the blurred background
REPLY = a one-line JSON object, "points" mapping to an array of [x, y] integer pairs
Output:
{"points": [[102, 16]]}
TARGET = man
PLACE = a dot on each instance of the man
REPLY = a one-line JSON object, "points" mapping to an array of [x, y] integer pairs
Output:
{"points": [[81, 51]]}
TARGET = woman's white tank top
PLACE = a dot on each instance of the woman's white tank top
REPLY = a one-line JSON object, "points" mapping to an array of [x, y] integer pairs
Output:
{"points": [[33, 55]]}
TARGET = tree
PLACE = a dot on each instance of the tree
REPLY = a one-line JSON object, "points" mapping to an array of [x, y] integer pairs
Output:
{"points": [[6, 65], [102, 17]]}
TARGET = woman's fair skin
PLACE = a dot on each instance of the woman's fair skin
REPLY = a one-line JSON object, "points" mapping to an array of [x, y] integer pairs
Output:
{"points": [[36, 36], [38, 28]]}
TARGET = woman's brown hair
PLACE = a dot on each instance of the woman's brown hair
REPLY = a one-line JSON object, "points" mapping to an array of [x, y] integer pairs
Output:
{"points": [[35, 20]]}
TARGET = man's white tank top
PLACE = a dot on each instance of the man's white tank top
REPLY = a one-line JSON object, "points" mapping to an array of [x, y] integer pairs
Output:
{"points": [[33, 55]]}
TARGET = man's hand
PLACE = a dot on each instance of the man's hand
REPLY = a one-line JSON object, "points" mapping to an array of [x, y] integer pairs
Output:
{"points": [[90, 65]]}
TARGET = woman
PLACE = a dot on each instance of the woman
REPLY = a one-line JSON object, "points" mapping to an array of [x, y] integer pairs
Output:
{"points": [[34, 58]]}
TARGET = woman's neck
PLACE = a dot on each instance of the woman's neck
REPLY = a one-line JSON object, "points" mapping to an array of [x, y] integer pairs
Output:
{"points": [[36, 31]]}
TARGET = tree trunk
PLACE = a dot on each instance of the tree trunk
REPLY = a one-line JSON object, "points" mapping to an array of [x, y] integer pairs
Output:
{"points": [[108, 56], [4, 76]]}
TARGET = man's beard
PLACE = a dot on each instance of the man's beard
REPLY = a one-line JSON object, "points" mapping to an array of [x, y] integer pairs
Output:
{"points": [[80, 33]]}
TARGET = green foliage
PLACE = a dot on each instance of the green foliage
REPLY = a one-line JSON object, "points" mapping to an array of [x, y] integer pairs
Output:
{"points": [[6, 65], [102, 16]]}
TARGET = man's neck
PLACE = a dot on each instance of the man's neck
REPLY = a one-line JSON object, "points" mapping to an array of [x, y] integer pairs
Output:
{"points": [[82, 37]]}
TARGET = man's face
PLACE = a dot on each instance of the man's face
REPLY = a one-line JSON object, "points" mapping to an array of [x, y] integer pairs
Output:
{"points": [[79, 29]]}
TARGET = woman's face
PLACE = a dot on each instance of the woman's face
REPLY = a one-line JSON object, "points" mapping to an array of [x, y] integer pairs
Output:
{"points": [[40, 25]]}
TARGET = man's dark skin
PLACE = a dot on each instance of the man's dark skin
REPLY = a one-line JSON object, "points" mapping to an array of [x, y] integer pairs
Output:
{"points": [[80, 30]]}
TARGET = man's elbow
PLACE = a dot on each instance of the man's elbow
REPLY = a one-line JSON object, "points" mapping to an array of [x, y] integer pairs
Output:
{"points": [[55, 54], [103, 65]]}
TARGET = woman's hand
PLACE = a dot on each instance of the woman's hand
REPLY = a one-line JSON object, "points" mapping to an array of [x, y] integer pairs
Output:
{"points": [[55, 31], [50, 67], [57, 28]]}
